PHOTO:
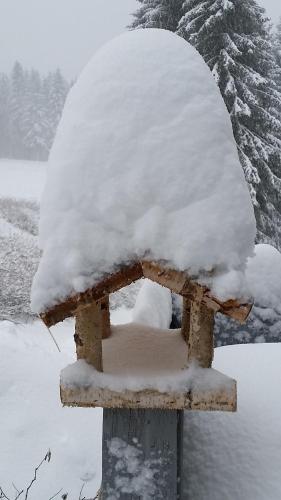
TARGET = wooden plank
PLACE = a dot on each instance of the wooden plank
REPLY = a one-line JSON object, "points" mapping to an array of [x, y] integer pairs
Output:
{"points": [[222, 398], [105, 317], [185, 323], [177, 281], [181, 283], [201, 335], [152, 438], [109, 284], [232, 308], [88, 335]]}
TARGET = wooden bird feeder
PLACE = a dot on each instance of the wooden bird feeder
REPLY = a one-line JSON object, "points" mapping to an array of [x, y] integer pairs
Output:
{"points": [[92, 329]]}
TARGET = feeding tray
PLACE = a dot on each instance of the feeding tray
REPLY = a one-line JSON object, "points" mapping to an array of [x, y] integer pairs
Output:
{"points": [[146, 367]]}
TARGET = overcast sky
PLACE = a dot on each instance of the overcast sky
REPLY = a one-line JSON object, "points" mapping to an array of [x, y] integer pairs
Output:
{"points": [[47, 34]]}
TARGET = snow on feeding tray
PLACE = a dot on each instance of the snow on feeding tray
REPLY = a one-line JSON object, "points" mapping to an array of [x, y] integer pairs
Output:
{"points": [[144, 181]]}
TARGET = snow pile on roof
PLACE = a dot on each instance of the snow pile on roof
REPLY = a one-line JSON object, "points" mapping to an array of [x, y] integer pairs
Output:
{"points": [[264, 276], [144, 163], [261, 280]]}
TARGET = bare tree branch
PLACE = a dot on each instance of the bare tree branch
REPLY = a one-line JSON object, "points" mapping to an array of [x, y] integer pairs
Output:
{"points": [[56, 494], [2, 494], [47, 458], [19, 493]]}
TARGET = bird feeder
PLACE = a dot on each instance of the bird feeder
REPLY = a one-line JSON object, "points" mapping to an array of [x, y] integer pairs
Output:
{"points": [[92, 329]]}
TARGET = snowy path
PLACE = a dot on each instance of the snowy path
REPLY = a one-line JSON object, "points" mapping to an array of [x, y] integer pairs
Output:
{"points": [[229, 457]]}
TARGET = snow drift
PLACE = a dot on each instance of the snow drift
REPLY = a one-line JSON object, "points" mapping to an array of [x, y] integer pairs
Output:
{"points": [[144, 163]]}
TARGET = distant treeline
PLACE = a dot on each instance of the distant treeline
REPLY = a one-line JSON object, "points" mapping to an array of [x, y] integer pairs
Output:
{"points": [[30, 109]]}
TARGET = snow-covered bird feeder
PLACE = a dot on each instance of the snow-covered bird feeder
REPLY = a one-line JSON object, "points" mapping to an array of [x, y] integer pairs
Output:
{"points": [[144, 181]]}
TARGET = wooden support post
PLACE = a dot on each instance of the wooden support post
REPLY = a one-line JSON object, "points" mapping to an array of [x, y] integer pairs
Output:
{"points": [[185, 322], [105, 317], [88, 334], [142, 453], [201, 336]]}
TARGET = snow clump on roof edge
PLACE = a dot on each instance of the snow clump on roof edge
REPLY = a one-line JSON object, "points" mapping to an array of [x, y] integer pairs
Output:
{"points": [[144, 161]]}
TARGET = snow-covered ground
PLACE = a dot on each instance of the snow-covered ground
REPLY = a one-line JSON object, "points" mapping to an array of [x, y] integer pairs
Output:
{"points": [[20, 191], [228, 456], [22, 179]]}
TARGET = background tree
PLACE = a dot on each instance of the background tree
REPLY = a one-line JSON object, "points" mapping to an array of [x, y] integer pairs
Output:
{"points": [[5, 135], [30, 109], [233, 38], [158, 14]]}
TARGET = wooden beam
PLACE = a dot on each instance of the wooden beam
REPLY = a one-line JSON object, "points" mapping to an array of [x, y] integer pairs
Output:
{"points": [[105, 317], [232, 308], [181, 283], [88, 334], [109, 284], [185, 322], [201, 335], [177, 281]]}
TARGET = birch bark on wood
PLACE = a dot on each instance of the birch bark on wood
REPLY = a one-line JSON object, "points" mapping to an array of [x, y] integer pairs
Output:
{"points": [[185, 322], [88, 335], [201, 336], [105, 317]]}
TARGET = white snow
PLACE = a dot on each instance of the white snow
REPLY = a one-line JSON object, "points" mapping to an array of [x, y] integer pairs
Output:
{"points": [[261, 282], [22, 179], [238, 456], [144, 163], [227, 456], [135, 475], [138, 357], [264, 276], [153, 305]]}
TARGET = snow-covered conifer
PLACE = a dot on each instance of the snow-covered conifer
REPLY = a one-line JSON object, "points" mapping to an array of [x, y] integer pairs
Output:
{"points": [[233, 38], [17, 110], [57, 96], [276, 42], [158, 14], [4, 116], [35, 125]]}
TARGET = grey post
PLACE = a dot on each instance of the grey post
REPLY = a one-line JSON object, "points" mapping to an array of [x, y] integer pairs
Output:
{"points": [[142, 454]]}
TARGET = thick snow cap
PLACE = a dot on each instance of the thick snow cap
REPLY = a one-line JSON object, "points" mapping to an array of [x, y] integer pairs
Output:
{"points": [[144, 163]]}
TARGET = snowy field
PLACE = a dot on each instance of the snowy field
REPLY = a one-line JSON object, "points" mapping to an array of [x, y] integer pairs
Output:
{"points": [[228, 456], [22, 179], [21, 186]]}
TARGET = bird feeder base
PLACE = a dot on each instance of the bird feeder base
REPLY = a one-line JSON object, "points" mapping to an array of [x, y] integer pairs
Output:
{"points": [[146, 367], [221, 399]]}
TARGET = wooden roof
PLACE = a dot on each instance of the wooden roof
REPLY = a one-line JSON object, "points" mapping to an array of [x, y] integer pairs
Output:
{"points": [[177, 281]]}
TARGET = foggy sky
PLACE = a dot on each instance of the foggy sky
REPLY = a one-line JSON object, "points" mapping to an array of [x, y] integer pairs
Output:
{"points": [[46, 34]]}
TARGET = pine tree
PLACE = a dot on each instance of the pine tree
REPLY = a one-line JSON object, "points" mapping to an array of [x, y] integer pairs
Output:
{"points": [[35, 126], [17, 110], [30, 109], [158, 14], [276, 43], [5, 134], [233, 38], [55, 91]]}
